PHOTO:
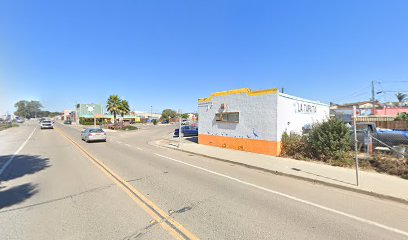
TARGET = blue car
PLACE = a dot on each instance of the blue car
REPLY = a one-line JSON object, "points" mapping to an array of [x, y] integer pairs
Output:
{"points": [[188, 131]]}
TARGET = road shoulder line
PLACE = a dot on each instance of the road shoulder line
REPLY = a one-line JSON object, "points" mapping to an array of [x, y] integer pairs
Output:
{"points": [[4, 167], [291, 197], [315, 181]]}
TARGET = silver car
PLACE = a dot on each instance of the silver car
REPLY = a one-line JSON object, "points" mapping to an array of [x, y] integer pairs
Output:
{"points": [[93, 134]]}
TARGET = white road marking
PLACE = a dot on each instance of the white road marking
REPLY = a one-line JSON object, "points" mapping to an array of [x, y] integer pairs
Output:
{"points": [[15, 153], [292, 197], [135, 147]]}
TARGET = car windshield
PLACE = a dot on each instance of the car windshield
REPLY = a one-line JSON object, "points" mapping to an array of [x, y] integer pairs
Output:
{"points": [[96, 130]]}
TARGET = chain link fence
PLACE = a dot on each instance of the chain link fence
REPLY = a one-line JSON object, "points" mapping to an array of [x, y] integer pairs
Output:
{"points": [[383, 150]]}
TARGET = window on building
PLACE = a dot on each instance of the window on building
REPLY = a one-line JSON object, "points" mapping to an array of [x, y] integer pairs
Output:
{"points": [[232, 117]]}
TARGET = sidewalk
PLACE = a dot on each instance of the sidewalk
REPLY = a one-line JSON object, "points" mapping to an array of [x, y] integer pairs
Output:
{"points": [[372, 183]]}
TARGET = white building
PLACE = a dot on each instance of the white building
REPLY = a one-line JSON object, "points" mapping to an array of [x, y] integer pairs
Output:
{"points": [[254, 121]]}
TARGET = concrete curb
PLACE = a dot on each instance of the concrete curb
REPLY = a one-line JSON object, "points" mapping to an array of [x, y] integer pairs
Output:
{"points": [[366, 192]]}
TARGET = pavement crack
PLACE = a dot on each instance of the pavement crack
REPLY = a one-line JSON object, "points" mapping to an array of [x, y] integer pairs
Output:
{"points": [[59, 199], [141, 231], [188, 207]]}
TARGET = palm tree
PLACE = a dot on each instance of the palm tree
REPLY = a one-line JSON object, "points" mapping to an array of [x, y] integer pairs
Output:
{"points": [[113, 105], [124, 109], [401, 97]]}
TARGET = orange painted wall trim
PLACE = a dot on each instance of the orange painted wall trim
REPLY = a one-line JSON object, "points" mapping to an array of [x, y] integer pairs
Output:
{"points": [[249, 145]]}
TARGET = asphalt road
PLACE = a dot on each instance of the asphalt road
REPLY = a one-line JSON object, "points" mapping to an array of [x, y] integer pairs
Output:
{"points": [[54, 188]]}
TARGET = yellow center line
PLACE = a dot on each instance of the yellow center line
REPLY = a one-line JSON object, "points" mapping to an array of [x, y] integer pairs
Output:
{"points": [[165, 221]]}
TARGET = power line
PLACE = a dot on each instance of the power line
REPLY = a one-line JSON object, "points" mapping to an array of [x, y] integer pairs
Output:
{"points": [[351, 96], [393, 82]]}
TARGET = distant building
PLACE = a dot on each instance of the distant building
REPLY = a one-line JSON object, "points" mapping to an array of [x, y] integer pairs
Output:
{"points": [[87, 110], [254, 121], [67, 114], [344, 112], [192, 116]]}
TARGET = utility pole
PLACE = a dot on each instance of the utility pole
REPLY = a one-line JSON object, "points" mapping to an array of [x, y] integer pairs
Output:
{"points": [[373, 97]]}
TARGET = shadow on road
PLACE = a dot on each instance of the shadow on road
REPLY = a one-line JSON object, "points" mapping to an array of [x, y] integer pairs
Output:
{"points": [[22, 165], [192, 139], [16, 194]]}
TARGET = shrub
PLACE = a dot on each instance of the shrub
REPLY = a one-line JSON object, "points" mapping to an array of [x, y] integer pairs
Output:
{"points": [[385, 164], [90, 121], [402, 116], [330, 140], [294, 145], [154, 121], [129, 128]]}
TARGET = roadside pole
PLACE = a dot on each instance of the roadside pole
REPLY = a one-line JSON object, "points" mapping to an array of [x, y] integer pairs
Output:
{"points": [[179, 143], [355, 143]]}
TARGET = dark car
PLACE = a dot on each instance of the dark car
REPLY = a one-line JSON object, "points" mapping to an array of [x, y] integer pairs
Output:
{"points": [[388, 138], [187, 131], [67, 122]]}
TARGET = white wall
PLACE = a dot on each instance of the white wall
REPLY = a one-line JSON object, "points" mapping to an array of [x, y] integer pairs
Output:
{"points": [[295, 113], [257, 117]]}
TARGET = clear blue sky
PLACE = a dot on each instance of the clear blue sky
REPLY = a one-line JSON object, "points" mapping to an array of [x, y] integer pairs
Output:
{"points": [[166, 54]]}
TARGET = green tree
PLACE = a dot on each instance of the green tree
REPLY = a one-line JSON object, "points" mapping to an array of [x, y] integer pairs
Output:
{"points": [[113, 105], [167, 114], [22, 110], [184, 115], [401, 97], [124, 108], [154, 121], [34, 107], [329, 140], [402, 116], [28, 109]]}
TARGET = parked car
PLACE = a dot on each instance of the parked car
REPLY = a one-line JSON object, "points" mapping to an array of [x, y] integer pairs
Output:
{"points": [[47, 124], [389, 137], [187, 131], [93, 134], [19, 120], [68, 122]]}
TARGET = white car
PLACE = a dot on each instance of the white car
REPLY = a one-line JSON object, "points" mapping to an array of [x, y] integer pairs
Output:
{"points": [[93, 134], [48, 124]]}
